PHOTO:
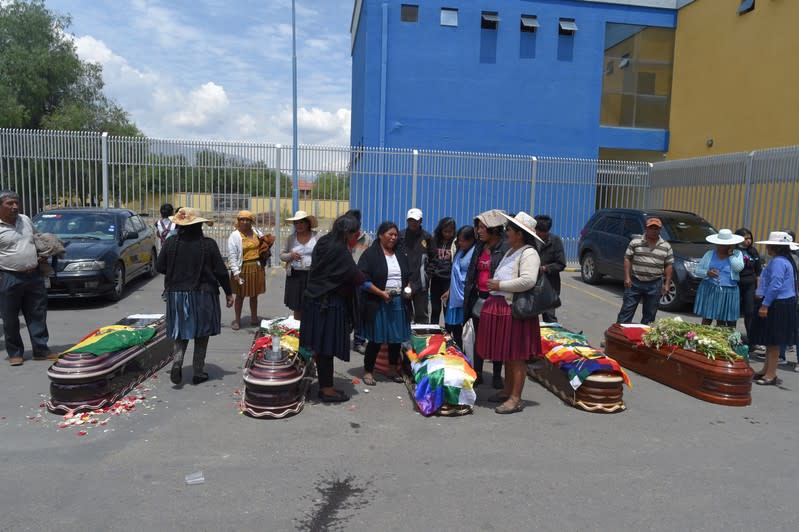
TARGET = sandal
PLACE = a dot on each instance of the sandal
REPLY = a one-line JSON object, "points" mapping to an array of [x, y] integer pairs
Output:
{"points": [[502, 409], [369, 381], [757, 376], [395, 377], [235, 325], [498, 397], [767, 382]]}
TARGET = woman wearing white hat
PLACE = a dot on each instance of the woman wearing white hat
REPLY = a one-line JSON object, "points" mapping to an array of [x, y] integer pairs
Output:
{"points": [[297, 255], [502, 337], [777, 316], [718, 297]]}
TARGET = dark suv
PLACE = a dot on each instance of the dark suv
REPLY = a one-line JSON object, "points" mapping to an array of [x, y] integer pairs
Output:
{"points": [[605, 237]]}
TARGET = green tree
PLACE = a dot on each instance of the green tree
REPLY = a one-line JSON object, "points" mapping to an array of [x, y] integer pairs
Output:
{"points": [[331, 185], [43, 82]]}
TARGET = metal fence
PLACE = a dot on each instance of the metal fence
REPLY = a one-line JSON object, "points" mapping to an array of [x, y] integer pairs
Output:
{"points": [[758, 190], [56, 168]]}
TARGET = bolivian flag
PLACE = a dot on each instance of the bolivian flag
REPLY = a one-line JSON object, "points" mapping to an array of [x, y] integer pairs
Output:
{"points": [[112, 338], [442, 374]]}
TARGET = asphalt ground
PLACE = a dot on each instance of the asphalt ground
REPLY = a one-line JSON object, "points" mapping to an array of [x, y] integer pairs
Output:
{"points": [[670, 462]]}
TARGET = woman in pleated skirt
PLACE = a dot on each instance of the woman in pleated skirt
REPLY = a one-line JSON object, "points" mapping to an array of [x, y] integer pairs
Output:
{"points": [[718, 296]]}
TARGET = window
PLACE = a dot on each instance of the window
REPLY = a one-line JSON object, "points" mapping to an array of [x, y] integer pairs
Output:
{"points": [[449, 17], [130, 227], [139, 223], [636, 85], [746, 6], [489, 20], [529, 23], [567, 26], [409, 13]]}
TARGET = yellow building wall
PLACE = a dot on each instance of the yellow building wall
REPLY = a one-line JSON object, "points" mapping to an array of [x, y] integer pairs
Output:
{"points": [[736, 78]]}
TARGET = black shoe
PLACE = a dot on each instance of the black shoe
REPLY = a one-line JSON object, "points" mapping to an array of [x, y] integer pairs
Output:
{"points": [[176, 375], [496, 382], [338, 397], [199, 378]]}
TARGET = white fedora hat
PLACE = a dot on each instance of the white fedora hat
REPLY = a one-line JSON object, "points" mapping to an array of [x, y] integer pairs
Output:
{"points": [[725, 237], [779, 238], [524, 221]]}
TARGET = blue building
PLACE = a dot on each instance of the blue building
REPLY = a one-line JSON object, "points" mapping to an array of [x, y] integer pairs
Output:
{"points": [[551, 78], [510, 76]]}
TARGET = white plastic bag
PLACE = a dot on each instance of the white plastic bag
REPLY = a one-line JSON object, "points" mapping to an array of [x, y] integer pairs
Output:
{"points": [[468, 341]]}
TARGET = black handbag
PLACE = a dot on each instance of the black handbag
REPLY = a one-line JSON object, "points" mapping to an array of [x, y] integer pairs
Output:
{"points": [[530, 303]]}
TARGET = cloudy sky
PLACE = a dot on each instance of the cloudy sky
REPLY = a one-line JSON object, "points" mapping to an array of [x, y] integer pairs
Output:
{"points": [[221, 69]]}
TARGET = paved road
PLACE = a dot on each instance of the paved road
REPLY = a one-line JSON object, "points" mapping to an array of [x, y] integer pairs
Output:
{"points": [[670, 462]]}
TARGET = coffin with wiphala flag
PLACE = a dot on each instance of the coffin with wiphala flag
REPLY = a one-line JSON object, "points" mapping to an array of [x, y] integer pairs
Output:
{"points": [[108, 363]]}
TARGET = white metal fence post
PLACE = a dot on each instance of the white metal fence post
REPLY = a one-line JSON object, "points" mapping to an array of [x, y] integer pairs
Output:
{"points": [[533, 177], [415, 178], [748, 189], [104, 148], [277, 246]]}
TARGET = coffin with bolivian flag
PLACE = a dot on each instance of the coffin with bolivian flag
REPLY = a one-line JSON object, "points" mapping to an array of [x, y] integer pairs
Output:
{"points": [[443, 378], [581, 375], [108, 363]]}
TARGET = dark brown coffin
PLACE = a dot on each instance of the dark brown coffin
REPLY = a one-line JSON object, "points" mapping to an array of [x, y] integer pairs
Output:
{"points": [[83, 381], [275, 388], [715, 381]]}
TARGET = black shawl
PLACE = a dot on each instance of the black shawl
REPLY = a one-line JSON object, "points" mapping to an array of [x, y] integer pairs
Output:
{"points": [[332, 268]]}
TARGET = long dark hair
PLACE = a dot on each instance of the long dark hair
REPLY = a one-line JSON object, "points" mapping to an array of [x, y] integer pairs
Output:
{"points": [[443, 223], [344, 226], [385, 227], [466, 232], [744, 232]]}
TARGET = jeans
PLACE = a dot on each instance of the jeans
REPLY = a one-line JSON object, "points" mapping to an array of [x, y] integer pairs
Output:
{"points": [[747, 290], [648, 291], [24, 292]]}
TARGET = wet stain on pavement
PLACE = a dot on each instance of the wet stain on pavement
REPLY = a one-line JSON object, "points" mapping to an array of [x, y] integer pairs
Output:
{"points": [[337, 500]]}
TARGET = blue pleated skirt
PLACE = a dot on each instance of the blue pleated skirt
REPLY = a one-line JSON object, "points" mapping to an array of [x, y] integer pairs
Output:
{"points": [[454, 316], [714, 302], [192, 314], [389, 325]]}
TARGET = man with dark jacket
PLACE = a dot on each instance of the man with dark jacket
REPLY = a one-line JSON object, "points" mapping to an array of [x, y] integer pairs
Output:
{"points": [[415, 242], [553, 258]]}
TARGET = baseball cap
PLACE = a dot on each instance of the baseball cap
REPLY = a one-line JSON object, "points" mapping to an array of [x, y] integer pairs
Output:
{"points": [[416, 214], [654, 221]]}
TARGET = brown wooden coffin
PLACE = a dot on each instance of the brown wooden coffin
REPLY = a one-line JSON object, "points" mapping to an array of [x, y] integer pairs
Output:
{"points": [[600, 392], [715, 381]]}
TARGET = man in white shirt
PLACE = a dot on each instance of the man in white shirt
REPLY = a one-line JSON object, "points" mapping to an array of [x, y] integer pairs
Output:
{"points": [[21, 284]]}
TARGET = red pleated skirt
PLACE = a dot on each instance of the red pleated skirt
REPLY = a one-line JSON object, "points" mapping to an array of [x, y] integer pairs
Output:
{"points": [[500, 337]]}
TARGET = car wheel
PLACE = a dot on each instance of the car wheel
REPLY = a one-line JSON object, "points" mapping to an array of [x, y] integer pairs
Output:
{"points": [[119, 283], [151, 271], [671, 301], [588, 271]]}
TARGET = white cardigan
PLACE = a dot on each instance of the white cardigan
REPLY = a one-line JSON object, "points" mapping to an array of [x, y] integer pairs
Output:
{"points": [[235, 250], [526, 268]]}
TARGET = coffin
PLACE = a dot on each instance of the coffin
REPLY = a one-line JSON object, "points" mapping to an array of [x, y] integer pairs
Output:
{"points": [[457, 396], [600, 392], [716, 381], [82, 381], [275, 383]]}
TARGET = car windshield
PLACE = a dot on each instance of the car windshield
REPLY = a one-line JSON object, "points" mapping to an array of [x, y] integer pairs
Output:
{"points": [[687, 230], [77, 225]]}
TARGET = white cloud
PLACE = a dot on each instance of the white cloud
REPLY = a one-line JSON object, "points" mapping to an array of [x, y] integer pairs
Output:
{"points": [[221, 71], [203, 104]]}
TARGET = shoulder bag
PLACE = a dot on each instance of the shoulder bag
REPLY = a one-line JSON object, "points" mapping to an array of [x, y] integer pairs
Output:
{"points": [[530, 303]]}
